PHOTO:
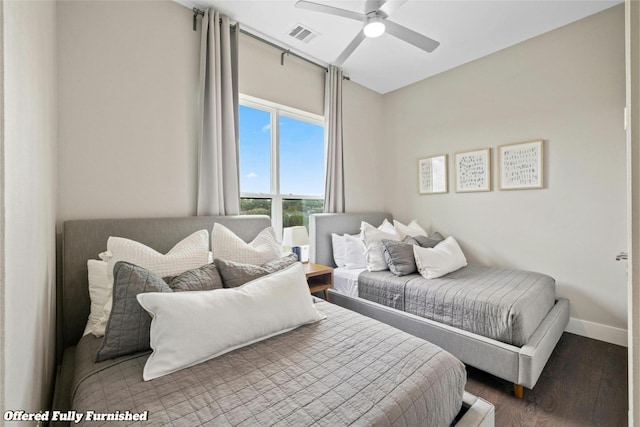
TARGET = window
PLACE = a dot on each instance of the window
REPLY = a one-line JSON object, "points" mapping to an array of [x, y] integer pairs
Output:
{"points": [[282, 161]]}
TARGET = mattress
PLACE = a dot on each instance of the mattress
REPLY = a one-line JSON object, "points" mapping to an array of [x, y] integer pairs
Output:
{"points": [[345, 280], [501, 304], [345, 370]]}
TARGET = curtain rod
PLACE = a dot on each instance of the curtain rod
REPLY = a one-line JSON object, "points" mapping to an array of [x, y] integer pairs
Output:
{"points": [[284, 51]]}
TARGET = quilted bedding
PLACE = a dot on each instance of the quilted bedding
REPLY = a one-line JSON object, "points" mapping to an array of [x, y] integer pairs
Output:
{"points": [[502, 304], [345, 370]]}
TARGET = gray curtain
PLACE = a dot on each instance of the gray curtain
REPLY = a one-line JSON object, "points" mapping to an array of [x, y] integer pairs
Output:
{"points": [[218, 178], [334, 184]]}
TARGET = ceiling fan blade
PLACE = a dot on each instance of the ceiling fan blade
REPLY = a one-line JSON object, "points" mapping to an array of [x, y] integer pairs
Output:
{"points": [[390, 6], [349, 49], [323, 8], [411, 37]]}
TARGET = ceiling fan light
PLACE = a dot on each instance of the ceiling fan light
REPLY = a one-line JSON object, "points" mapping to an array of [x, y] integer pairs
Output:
{"points": [[374, 27]]}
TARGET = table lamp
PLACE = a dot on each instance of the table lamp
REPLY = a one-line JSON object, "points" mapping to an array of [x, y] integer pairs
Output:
{"points": [[298, 238]]}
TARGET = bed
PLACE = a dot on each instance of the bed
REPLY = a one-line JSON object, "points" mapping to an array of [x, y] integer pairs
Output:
{"points": [[346, 369], [518, 362]]}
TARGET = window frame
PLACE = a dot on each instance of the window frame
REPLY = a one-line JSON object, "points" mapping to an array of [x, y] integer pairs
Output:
{"points": [[276, 110]]}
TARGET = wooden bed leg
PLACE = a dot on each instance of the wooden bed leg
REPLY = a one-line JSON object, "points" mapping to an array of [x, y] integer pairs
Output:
{"points": [[518, 390]]}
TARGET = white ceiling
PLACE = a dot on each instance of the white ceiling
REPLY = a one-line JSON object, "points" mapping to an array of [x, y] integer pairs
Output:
{"points": [[466, 29]]}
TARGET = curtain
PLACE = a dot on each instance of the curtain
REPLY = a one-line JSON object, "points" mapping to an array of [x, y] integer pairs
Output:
{"points": [[334, 184], [218, 176]]}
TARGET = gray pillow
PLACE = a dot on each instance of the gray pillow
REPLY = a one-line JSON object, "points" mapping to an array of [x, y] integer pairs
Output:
{"points": [[399, 255], [236, 274], [127, 331], [205, 278], [429, 242]]}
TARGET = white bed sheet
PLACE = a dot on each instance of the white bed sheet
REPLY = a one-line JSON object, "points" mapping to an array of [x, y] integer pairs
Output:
{"points": [[345, 280]]}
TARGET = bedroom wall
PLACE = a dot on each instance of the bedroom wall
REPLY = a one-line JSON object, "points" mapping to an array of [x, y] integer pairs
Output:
{"points": [[567, 87], [28, 162], [128, 76]]}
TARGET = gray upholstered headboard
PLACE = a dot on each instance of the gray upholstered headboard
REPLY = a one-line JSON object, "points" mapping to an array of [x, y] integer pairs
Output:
{"points": [[322, 225], [85, 239]]}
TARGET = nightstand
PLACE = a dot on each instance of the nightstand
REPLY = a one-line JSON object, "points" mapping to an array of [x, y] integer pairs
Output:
{"points": [[319, 278]]}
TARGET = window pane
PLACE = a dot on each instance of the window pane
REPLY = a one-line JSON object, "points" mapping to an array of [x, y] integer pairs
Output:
{"points": [[255, 150], [301, 157], [297, 211], [255, 206]]}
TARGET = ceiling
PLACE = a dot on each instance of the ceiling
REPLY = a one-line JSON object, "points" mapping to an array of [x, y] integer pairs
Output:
{"points": [[466, 30]]}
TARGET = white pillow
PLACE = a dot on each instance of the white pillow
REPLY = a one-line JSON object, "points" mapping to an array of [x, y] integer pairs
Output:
{"points": [[372, 238], [387, 227], [354, 252], [442, 259], [226, 245], [190, 253], [191, 327], [338, 248], [99, 292], [413, 229]]}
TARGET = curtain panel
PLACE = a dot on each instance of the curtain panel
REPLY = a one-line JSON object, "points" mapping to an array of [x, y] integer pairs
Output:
{"points": [[334, 184], [218, 175]]}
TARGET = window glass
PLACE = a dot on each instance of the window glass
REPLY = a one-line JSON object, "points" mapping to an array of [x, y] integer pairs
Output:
{"points": [[255, 151], [301, 157], [249, 206], [297, 211]]}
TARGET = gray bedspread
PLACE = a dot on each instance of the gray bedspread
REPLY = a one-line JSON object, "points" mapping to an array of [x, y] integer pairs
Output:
{"points": [[345, 370], [505, 305]]}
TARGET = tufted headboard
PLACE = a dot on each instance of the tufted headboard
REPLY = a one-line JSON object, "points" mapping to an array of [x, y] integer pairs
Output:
{"points": [[322, 225], [85, 239]]}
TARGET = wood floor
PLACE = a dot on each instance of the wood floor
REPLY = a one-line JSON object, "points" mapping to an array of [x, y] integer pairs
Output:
{"points": [[583, 384]]}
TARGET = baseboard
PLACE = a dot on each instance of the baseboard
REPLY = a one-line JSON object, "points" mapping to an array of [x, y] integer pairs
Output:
{"points": [[597, 331]]}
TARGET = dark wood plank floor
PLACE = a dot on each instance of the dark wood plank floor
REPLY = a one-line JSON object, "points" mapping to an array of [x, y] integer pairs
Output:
{"points": [[583, 384]]}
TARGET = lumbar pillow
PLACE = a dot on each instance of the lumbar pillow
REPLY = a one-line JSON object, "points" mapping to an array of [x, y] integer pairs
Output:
{"points": [[235, 274], [399, 256], [204, 278], [372, 238], [354, 252], [226, 245], [413, 229], [442, 259], [99, 292], [233, 318], [191, 252], [127, 330]]}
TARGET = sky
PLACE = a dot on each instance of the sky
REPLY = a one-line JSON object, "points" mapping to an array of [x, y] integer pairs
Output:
{"points": [[301, 154]]}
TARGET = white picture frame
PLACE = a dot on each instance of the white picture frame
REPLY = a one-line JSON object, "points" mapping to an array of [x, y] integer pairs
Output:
{"points": [[473, 170], [432, 175], [521, 165]]}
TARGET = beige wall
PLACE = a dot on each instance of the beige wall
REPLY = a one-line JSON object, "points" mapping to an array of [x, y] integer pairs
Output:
{"points": [[128, 78], [29, 193], [567, 87]]}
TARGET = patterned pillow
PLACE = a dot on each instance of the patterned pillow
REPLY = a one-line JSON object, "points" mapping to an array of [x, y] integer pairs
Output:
{"points": [[205, 278], [236, 274], [226, 245]]}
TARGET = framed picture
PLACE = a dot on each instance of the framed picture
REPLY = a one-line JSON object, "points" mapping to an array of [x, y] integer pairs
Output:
{"points": [[473, 171], [521, 165], [432, 175]]}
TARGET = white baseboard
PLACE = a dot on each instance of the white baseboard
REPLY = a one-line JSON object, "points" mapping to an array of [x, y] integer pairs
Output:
{"points": [[597, 331]]}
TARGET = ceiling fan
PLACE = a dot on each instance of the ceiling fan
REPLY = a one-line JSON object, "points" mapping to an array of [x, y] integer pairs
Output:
{"points": [[375, 24]]}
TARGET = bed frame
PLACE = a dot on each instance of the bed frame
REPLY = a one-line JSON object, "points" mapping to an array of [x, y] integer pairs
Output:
{"points": [[520, 365], [85, 239]]}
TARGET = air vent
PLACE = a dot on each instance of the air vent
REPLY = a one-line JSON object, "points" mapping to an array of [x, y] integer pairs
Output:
{"points": [[302, 33]]}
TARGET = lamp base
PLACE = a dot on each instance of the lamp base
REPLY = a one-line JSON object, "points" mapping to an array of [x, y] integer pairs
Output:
{"points": [[302, 252]]}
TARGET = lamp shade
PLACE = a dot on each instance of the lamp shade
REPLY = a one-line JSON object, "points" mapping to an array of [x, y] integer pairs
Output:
{"points": [[295, 236]]}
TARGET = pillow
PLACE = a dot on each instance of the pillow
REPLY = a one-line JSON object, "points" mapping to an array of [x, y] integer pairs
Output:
{"points": [[99, 292], [413, 229], [399, 256], [354, 252], [386, 227], [235, 274], [205, 278], [444, 258], [226, 245], [127, 331], [191, 327], [191, 252], [338, 249], [429, 242], [372, 238]]}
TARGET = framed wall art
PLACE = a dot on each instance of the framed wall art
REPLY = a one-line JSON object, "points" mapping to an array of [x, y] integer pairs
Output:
{"points": [[432, 175], [473, 170], [521, 165]]}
